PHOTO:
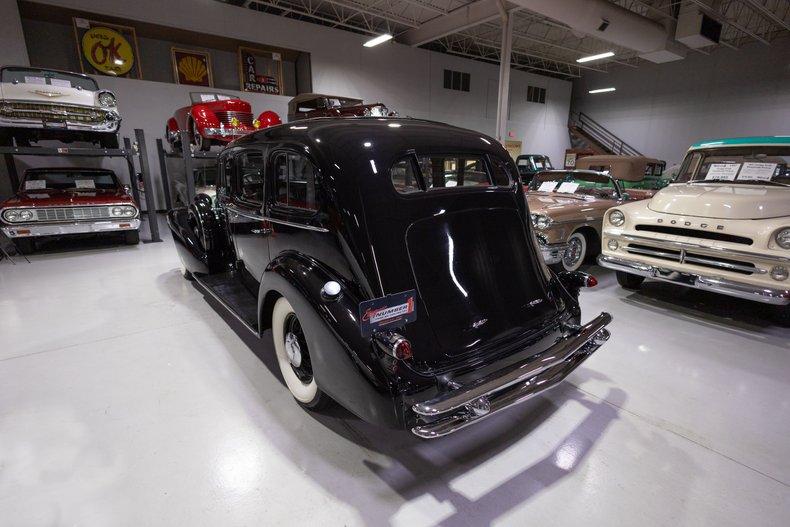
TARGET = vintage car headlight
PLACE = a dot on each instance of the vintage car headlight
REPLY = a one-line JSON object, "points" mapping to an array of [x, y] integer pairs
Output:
{"points": [[107, 99], [616, 218], [17, 215], [123, 211], [783, 238], [539, 221], [779, 272]]}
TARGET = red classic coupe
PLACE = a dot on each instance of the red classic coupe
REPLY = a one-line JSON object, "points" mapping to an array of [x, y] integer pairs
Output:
{"points": [[215, 118], [69, 201]]}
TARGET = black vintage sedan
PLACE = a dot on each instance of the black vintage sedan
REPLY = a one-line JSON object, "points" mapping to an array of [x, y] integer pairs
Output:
{"points": [[394, 262]]}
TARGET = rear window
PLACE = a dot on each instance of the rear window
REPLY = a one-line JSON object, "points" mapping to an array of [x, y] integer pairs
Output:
{"points": [[443, 171]]}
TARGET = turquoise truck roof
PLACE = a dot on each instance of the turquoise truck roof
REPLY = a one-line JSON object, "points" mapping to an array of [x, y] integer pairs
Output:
{"points": [[743, 141]]}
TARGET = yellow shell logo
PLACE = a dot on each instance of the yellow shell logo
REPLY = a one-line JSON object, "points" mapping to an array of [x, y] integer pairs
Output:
{"points": [[234, 122], [107, 51], [192, 68]]}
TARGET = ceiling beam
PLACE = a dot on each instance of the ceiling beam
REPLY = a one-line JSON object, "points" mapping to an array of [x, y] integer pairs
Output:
{"points": [[457, 20], [767, 13]]}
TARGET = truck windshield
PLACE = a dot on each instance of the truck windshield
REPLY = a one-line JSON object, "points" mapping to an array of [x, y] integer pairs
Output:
{"points": [[753, 165], [48, 78], [69, 180]]}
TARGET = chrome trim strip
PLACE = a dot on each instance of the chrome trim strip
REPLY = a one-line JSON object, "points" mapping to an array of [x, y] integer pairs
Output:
{"points": [[688, 245], [62, 228], [766, 295], [522, 371], [219, 299], [240, 212]]}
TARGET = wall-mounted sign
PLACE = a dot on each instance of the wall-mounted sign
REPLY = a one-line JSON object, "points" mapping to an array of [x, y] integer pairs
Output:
{"points": [[192, 67], [261, 71], [107, 49]]}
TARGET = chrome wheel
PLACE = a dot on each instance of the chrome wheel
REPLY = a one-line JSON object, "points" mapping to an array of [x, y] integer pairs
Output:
{"points": [[575, 253]]}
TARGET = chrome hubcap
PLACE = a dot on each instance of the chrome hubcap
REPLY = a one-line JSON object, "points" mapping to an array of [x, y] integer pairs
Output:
{"points": [[293, 350], [573, 252]]}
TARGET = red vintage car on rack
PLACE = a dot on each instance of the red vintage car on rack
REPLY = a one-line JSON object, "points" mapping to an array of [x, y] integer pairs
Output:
{"points": [[69, 201], [215, 118]]}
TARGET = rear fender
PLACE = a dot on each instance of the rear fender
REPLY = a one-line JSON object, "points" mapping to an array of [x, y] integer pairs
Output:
{"points": [[345, 365], [199, 236]]}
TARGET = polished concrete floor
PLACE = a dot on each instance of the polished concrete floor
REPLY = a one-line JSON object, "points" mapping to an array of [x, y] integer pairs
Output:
{"points": [[128, 399]]}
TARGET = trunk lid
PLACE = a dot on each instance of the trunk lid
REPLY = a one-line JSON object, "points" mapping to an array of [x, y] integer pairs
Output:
{"points": [[468, 255]]}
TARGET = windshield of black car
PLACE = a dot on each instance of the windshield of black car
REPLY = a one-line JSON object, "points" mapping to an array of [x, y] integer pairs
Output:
{"points": [[576, 183], [753, 165], [198, 98], [48, 78], [69, 180]]}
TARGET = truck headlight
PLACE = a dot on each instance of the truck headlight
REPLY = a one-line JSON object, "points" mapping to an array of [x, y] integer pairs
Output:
{"points": [[539, 221], [107, 99], [617, 218], [783, 238]]}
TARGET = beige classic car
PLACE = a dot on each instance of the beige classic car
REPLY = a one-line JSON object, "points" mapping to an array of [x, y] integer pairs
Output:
{"points": [[640, 176], [567, 209], [723, 226]]}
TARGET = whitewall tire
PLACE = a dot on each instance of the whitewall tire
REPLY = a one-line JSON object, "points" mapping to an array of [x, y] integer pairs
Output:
{"points": [[576, 252], [293, 356]]}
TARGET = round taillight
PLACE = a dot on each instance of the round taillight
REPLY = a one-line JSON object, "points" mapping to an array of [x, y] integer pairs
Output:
{"points": [[591, 281], [402, 350]]}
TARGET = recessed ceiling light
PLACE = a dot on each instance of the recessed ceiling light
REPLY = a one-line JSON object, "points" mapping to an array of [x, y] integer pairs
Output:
{"points": [[596, 57], [377, 40], [601, 90]]}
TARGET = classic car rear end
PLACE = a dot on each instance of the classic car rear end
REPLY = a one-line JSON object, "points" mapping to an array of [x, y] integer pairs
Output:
{"points": [[393, 260], [69, 201], [724, 227]]}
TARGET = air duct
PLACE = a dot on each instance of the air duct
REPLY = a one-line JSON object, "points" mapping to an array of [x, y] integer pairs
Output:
{"points": [[612, 23]]}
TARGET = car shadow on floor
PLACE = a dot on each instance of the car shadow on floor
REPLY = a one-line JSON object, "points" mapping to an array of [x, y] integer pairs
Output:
{"points": [[415, 468]]}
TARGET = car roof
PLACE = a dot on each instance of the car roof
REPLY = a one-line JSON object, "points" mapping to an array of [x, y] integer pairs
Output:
{"points": [[743, 141], [343, 139]]}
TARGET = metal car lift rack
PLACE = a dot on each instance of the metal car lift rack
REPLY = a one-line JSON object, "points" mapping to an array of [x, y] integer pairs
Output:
{"points": [[188, 157], [128, 152]]}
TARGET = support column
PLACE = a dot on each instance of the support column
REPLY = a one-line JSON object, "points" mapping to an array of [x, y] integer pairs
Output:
{"points": [[504, 73]]}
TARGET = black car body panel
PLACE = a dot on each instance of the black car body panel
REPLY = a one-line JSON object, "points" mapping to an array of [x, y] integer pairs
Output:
{"points": [[484, 298]]}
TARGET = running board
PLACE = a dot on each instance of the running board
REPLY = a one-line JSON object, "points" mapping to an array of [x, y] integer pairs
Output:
{"points": [[228, 290]]}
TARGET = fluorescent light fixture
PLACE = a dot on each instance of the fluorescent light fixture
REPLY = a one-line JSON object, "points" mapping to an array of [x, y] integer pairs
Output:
{"points": [[596, 57], [377, 40], [601, 90]]}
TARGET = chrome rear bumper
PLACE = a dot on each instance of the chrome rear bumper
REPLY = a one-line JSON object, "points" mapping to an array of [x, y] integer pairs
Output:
{"points": [[766, 295], [468, 404]]}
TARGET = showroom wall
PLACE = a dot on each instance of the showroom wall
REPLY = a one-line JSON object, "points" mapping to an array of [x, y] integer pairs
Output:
{"points": [[409, 80], [661, 109]]}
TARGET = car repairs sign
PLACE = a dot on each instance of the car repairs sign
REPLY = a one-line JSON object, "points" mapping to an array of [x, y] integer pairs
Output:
{"points": [[386, 312]]}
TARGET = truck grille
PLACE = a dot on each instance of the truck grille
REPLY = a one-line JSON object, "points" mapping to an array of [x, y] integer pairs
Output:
{"points": [[244, 118], [52, 112], [683, 256], [72, 213], [695, 233]]}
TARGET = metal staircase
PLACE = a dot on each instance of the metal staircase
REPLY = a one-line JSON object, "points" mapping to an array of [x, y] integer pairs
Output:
{"points": [[586, 133]]}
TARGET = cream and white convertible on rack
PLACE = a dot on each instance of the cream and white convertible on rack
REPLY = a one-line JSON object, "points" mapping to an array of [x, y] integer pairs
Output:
{"points": [[724, 226]]}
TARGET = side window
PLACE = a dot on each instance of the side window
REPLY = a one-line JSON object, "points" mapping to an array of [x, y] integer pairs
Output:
{"points": [[499, 172], [443, 171], [403, 177], [294, 181], [248, 180]]}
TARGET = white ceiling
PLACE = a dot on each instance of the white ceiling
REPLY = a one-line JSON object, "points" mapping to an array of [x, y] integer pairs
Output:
{"points": [[540, 44]]}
